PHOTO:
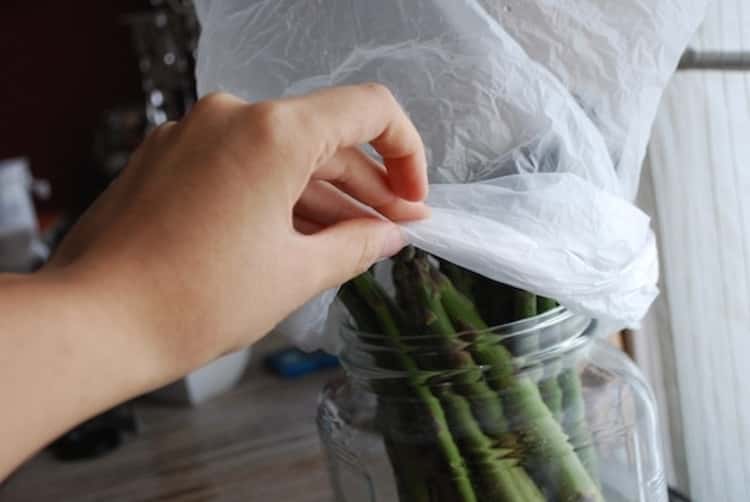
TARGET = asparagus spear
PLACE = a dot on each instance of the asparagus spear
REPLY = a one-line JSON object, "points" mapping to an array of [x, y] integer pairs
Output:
{"points": [[545, 446], [463, 280], [360, 311], [493, 301], [481, 455], [498, 303], [544, 304], [371, 293], [496, 470], [562, 476], [523, 306], [548, 386], [574, 422], [405, 459], [563, 391]]}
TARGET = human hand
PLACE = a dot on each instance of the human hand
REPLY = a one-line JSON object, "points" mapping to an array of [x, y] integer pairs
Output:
{"points": [[224, 223]]}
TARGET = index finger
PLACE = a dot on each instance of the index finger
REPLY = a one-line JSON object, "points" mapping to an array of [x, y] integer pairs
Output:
{"points": [[353, 115]]}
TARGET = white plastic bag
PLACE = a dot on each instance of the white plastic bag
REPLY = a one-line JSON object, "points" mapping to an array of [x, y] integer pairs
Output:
{"points": [[533, 149]]}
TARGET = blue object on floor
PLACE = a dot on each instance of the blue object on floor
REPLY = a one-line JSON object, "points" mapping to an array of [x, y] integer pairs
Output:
{"points": [[294, 363]]}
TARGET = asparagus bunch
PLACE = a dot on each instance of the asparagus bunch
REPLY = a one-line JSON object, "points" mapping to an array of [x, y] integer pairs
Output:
{"points": [[492, 433]]}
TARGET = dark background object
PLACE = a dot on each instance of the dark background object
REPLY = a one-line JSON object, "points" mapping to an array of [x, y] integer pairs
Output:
{"points": [[62, 65], [97, 436], [675, 496], [715, 60]]}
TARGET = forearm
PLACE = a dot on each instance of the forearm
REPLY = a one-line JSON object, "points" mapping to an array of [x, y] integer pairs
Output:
{"points": [[67, 352]]}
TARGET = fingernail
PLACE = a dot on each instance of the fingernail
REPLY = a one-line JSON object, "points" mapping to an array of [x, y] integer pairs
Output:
{"points": [[394, 242]]}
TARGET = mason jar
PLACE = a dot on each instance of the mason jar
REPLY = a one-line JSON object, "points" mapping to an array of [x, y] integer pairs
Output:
{"points": [[536, 410]]}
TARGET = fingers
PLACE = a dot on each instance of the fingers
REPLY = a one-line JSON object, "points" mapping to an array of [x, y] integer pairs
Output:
{"points": [[326, 205], [359, 175], [317, 137], [347, 249], [343, 117], [305, 226]]}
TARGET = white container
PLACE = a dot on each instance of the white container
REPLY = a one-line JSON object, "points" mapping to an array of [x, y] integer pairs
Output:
{"points": [[18, 225], [209, 381]]}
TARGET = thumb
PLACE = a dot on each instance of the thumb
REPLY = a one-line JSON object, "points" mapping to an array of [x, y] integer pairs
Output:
{"points": [[347, 249]]}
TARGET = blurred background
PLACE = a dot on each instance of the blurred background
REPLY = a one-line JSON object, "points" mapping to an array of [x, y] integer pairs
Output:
{"points": [[83, 83], [76, 85]]}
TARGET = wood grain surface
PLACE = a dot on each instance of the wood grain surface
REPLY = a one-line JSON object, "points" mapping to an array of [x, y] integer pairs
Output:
{"points": [[257, 442]]}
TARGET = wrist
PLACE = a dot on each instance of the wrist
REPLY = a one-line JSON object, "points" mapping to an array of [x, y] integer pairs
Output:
{"points": [[102, 317], [68, 352]]}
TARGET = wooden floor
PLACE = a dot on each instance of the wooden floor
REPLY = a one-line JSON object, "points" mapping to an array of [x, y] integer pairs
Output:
{"points": [[255, 443]]}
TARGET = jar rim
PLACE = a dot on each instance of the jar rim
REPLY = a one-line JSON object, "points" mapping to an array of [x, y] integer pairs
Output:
{"points": [[530, 341], [505, 331]]}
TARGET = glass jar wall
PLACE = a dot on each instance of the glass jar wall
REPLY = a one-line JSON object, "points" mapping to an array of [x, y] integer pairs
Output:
{"points": [[535, 410]]}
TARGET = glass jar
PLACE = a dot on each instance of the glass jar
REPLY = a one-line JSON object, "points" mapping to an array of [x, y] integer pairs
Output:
{"points": [[535, 410]]}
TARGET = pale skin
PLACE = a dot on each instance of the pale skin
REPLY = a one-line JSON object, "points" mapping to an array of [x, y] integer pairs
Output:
{"points": [[219, 227]]}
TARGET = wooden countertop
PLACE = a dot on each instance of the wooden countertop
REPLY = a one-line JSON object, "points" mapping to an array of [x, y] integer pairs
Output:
{"points": [[256, 442]]}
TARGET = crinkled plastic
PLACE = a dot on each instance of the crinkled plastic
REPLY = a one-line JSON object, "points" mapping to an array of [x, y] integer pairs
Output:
{"points": [[535, 115]]}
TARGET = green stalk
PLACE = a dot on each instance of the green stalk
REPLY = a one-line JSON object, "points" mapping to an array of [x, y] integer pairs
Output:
{"points": [[360, 311], [552, 395], [464, 280], [406, 460], [548, 386], [495, 469], [562, 391], [544, 304], [371, 293], [545, 448], [523, 306], [498, 478], [574, 421], [494, 301]]}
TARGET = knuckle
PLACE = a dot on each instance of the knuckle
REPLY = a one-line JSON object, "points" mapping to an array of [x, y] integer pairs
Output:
{"points": [[212, 104], [343, 175], [213, 100], [269, 120], [380, 91]]}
